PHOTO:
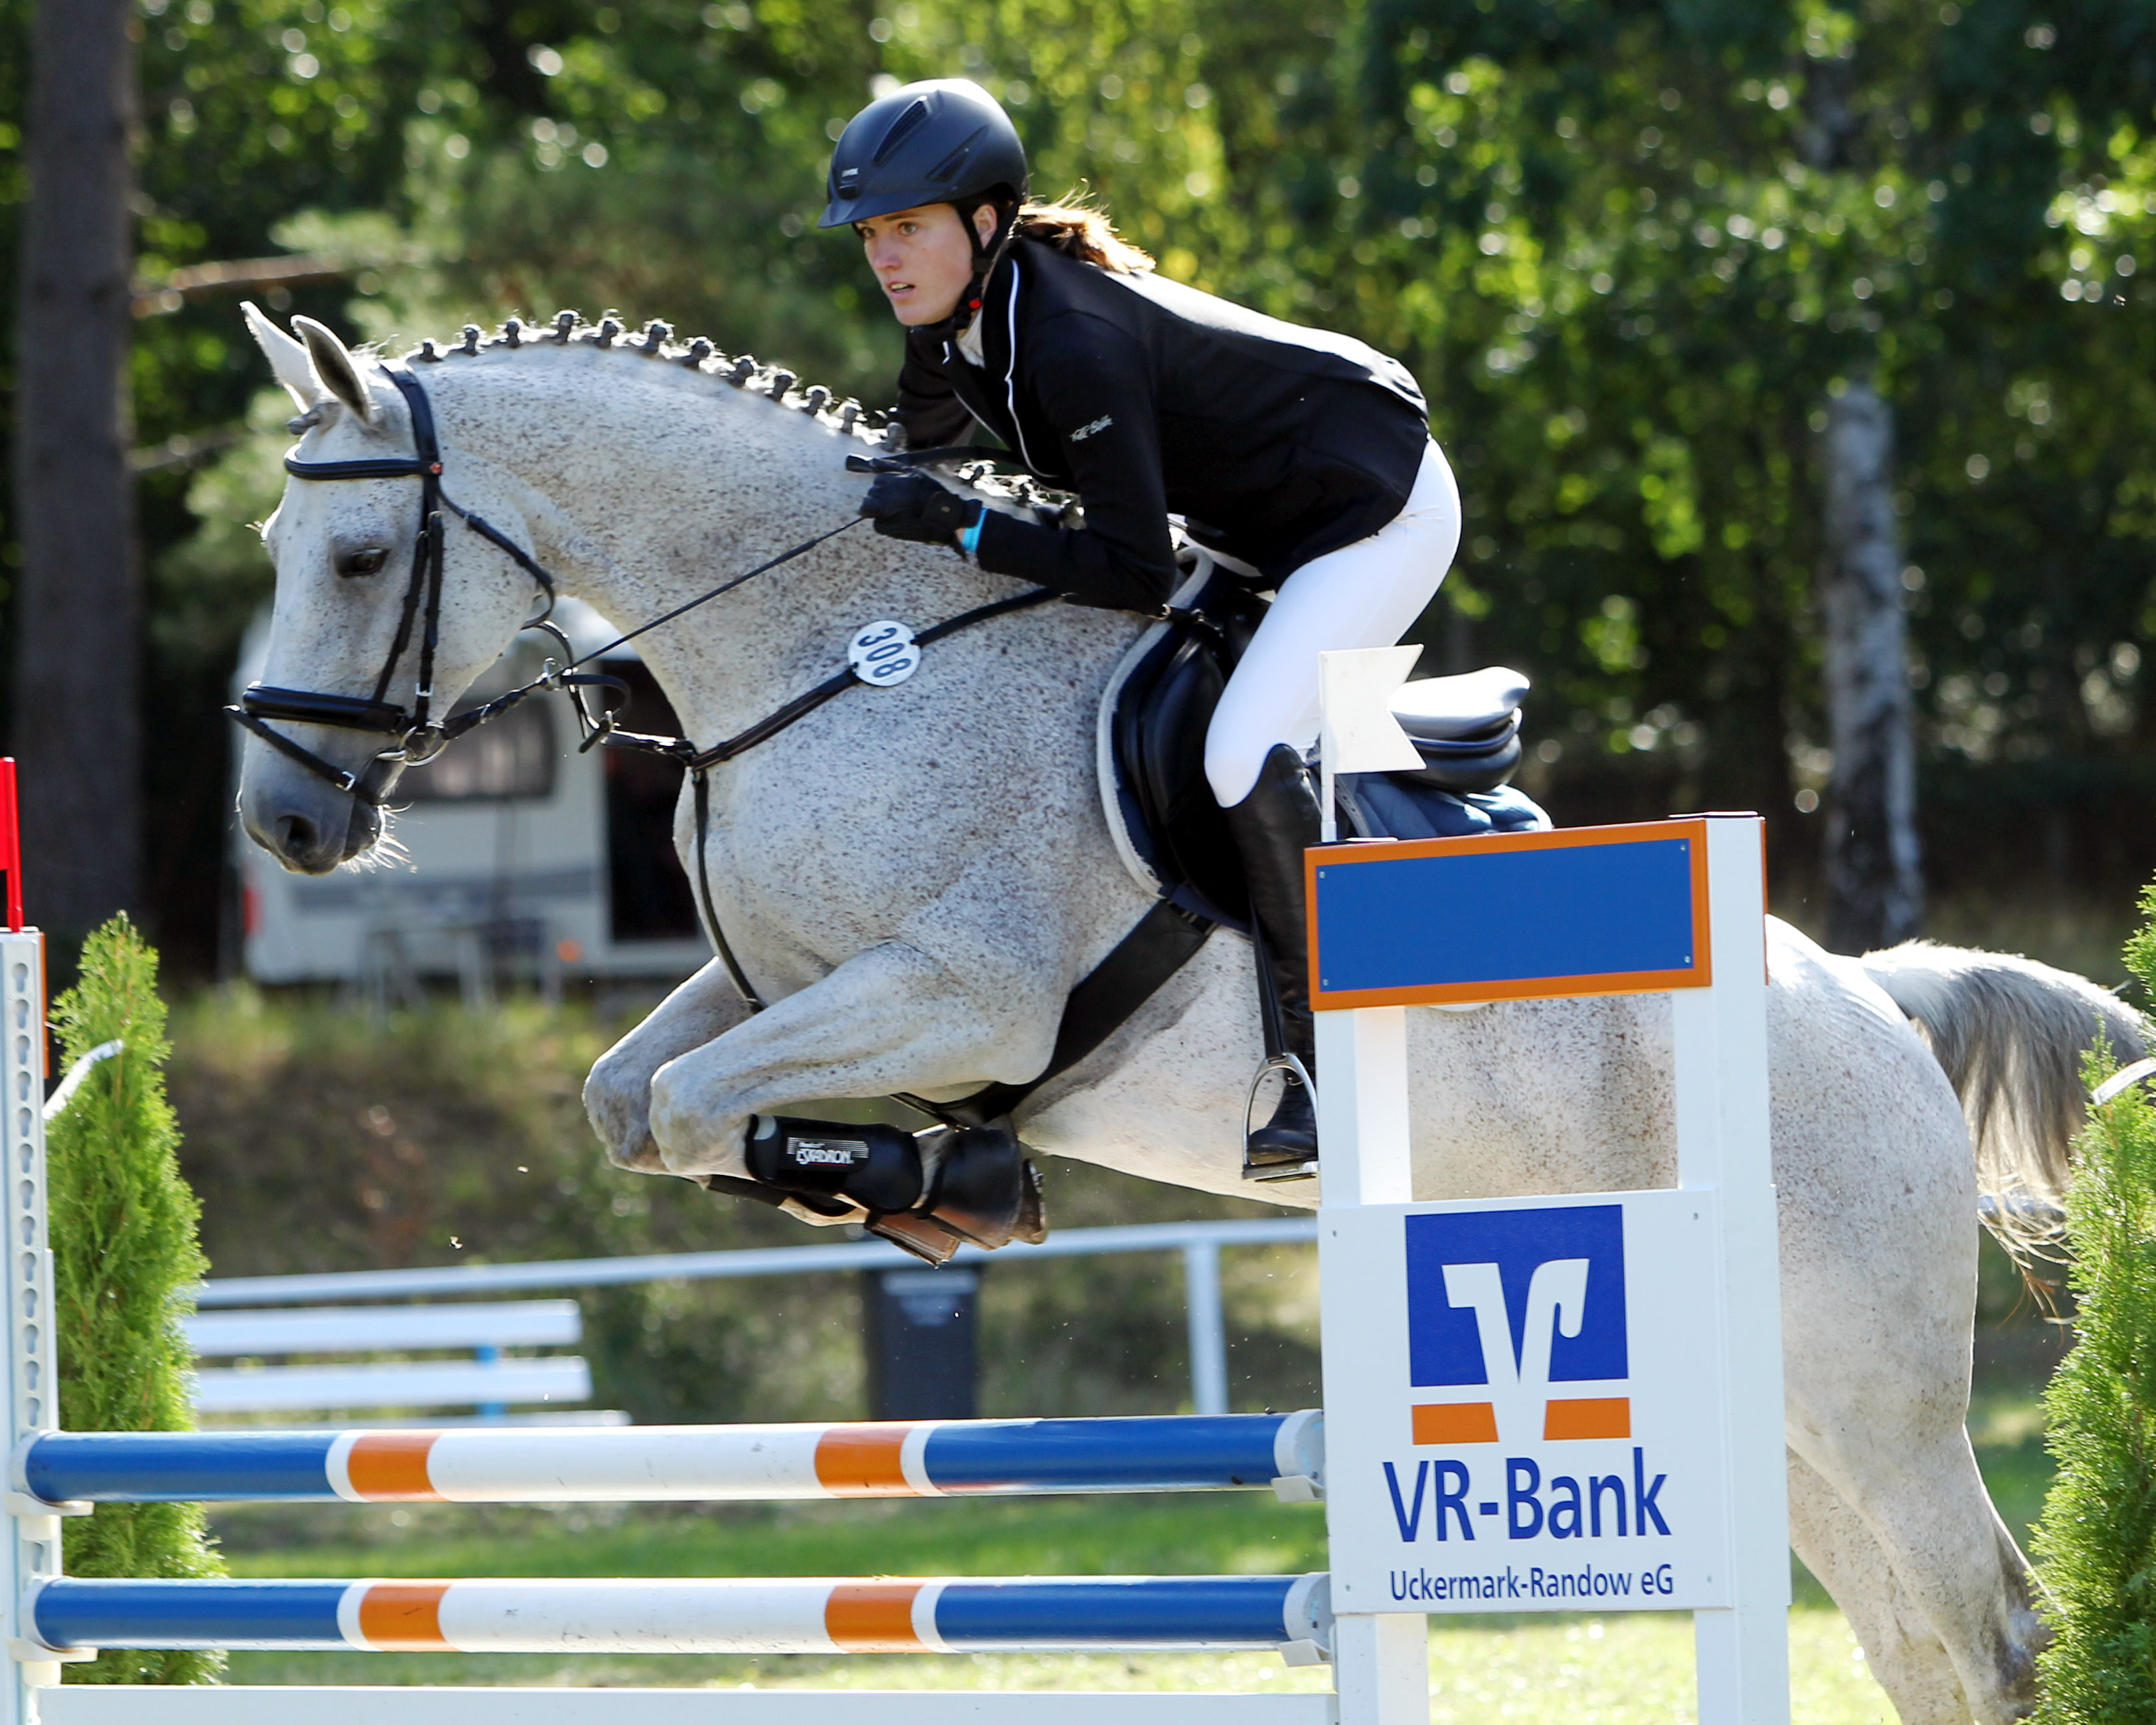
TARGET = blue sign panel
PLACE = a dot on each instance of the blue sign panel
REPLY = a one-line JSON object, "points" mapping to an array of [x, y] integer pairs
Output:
{"points": [[1584, 1333], [1539, 916]]}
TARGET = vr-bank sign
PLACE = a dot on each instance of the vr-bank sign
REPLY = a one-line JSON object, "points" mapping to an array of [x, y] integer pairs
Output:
{"points": [[1530, 1414]]}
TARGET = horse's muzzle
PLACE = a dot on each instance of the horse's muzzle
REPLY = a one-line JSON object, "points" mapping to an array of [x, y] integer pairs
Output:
{"points": [[307, 824]]}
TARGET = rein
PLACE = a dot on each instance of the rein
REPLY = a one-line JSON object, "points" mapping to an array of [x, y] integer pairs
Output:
{"points": [[419, 736]]}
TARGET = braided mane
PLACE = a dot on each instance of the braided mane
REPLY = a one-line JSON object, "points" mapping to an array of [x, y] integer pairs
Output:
{"points": [[743, 371]]}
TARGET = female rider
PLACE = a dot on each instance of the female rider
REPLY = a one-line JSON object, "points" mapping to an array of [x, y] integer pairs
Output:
{"points": [[1304, 454]]}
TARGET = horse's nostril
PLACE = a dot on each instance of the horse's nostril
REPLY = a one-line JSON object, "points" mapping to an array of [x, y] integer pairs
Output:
{"points": [[295, 834]]}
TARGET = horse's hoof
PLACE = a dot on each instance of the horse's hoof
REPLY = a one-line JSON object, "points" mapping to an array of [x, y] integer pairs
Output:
{"points": [[984, 1189], [926, 1238]]}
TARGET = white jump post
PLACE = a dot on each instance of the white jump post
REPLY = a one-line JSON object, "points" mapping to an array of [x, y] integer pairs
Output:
{"points": [[31, 1541], [1558, 1402]]}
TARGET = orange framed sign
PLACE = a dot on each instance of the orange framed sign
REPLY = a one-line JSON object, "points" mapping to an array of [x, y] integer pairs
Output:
{"points": [[1619, 909]]}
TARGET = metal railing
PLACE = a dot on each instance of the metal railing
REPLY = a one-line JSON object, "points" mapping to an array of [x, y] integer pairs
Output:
{"points": [[1200, 1243]]}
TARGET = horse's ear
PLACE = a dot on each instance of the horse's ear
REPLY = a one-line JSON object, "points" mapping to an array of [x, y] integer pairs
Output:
{"points": [[287, 358], [333, 365]]}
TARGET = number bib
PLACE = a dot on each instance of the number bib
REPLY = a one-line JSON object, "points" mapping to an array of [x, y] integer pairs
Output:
{"points": [[883, 654]]}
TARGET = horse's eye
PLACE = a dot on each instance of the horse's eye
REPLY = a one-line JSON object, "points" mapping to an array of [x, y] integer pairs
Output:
{"points": [[368, 561]]}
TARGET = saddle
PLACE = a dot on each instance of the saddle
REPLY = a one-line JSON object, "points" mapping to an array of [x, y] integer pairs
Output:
{"points": [[1150, 744]]}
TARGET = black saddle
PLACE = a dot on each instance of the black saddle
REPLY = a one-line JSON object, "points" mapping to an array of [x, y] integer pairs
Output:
{"points": [[1153, 721]]}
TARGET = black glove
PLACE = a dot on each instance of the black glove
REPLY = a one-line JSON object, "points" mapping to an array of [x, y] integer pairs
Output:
{"points": [[912, 505]]}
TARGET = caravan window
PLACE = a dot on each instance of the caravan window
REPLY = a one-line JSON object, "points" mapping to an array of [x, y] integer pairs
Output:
{"points": [[512, 758]]}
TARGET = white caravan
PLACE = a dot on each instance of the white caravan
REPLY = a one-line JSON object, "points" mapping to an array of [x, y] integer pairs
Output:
{"points": [[522, 857]]}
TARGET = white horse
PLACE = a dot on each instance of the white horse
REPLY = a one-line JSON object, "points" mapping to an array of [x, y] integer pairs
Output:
{"points": [[914, 877]]}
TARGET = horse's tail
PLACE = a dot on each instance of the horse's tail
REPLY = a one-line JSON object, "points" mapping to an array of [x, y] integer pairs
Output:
{"points": [[2010, 1035]]}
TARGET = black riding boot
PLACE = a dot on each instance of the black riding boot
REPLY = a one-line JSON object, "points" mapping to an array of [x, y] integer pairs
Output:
{"points": [[1273, 826]]}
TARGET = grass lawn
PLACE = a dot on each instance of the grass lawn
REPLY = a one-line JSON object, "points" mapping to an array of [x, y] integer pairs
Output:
{"points": [[1567, 1671]]}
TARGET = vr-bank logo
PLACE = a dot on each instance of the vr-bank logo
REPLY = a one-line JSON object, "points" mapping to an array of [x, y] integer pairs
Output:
{"points": [[1516, 1302]]}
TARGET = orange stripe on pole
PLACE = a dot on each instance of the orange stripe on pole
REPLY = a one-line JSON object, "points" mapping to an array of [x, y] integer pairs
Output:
{"points": [[872, 1616], [1611, 1417], [391, 1467], [1455, 1423], [403, 1616], [863, 1461]]}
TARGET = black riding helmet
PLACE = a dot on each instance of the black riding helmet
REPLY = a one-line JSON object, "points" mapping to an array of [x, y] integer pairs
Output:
{"points": [[943, 141]]}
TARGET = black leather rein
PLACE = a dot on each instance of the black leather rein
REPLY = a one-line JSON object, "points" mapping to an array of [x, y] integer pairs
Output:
{"points": [[1163, 940], [420, 735]]}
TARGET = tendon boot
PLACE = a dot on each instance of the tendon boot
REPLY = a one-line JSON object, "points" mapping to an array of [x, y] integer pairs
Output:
{"points": [[1273, 826], [872, 1167], [928, 1193]]}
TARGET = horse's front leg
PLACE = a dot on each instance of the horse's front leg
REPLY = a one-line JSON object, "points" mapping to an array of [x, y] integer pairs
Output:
{"points": [[618, 1094], [892, 1019]]}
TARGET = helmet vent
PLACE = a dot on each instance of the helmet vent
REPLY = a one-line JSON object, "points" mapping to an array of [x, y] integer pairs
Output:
{"points": [[901, 129], [952, 166]]}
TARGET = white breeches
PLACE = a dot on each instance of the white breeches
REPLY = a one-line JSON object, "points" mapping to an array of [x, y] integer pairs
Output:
{"points": [[1363, 595]]}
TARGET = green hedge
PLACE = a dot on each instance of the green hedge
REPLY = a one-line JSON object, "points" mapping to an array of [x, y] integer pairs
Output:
{"points": [[2097, 1537], [124, 1250]]}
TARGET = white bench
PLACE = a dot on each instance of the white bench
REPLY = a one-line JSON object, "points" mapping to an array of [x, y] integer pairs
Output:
{"points": [[489, 1381]]}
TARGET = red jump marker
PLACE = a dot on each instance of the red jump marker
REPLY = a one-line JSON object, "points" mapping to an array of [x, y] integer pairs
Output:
{"points": [[10, 843]]}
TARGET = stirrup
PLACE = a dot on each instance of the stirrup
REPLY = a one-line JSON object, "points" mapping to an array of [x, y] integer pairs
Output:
{"points": [[1301, 1168]]}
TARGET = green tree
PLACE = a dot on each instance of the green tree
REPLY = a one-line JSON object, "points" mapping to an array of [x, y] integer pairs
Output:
{"points": [[1639, 249], [125, 1256], [2097, 1535], [1638, 253]]}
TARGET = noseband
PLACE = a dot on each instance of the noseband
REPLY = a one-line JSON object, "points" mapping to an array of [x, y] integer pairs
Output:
{"points": [[420, 735]]}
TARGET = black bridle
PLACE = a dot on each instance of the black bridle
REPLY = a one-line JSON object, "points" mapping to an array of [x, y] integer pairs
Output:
{"points": [[420, 735]]}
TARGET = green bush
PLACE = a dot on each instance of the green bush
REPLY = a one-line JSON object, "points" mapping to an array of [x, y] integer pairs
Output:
{"points": [[124, 1252], [2097, 1540]]}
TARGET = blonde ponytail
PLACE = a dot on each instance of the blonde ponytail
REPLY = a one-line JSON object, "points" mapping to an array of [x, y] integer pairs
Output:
{"points": [[1076, 228]]}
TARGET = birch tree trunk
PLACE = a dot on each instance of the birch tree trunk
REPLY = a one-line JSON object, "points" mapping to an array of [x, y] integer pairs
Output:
{"points": [[77, 637], [1874, 880]]}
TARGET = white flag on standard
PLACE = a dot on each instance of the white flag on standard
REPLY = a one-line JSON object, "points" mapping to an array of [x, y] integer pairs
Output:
{"points": [[1357, 732]]}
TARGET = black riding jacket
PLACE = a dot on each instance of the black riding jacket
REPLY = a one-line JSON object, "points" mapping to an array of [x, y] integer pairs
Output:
{"points": [[1276, 443]]}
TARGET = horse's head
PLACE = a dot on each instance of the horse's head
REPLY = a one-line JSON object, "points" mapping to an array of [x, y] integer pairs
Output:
{"points": [[350, 617]]}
